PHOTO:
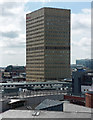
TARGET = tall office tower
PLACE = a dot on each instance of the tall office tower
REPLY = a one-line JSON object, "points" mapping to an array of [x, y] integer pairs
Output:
{"points": [[48, 44]]}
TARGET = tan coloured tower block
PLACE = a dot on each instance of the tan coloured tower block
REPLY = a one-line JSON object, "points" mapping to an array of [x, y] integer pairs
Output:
{"points": [[48, 44]]}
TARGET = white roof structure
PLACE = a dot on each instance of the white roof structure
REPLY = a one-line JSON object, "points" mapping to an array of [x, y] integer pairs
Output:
{"points": [[14, 101], [44, 114], [70, 111]]}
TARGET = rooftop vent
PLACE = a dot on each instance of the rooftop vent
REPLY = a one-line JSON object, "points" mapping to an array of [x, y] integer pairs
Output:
{"points": [[36, 113]]}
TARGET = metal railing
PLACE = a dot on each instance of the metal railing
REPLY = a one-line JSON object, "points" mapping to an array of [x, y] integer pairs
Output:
{"points": [[29, 93]]}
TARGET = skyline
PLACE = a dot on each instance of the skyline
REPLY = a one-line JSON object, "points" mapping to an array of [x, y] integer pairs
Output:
{"points": [[13, 32]]}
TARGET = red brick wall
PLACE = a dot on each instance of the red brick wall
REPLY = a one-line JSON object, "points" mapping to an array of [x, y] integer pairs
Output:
{"points": [[68, 97], [89, 100]]}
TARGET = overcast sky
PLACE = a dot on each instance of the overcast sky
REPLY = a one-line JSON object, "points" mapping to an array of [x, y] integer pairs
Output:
{"points": [[13, 31]]}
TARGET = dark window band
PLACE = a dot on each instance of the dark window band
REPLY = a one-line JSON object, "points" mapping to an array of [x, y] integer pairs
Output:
{"points": [[56, 47], [35, 48]]}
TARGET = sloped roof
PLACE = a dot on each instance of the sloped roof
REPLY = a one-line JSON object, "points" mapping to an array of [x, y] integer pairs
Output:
{"points": [[48, 103]]}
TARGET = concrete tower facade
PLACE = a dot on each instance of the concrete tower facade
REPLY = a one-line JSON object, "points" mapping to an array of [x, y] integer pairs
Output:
{"points": [[48, 44]]}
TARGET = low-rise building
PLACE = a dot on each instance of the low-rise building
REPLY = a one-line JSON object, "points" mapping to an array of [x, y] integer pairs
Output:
{"points": [[70, 112], [13, 72]]}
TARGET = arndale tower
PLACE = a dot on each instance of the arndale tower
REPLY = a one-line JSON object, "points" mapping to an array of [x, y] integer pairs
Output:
{"points": [[48, 44]]}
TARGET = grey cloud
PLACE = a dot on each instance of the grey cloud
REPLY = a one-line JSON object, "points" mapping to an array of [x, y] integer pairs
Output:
{"points": [[11, 34], [5, 13], [17, 45], [9, 5], [5, 7], [80, 26], [86, 45], [10, 53]]}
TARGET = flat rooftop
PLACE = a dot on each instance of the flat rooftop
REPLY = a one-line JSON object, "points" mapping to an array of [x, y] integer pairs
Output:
{"points": [[31, 83], [69, 107], [69, 111], [44, 114]]}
